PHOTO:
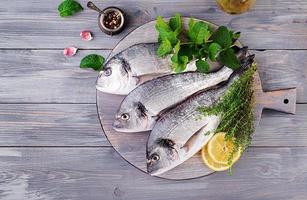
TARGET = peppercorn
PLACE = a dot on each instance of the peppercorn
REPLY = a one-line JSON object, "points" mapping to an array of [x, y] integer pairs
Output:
{"points": [[112, 20]]}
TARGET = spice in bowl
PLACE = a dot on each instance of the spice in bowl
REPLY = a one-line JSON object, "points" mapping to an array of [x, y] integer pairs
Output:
{"points": [[112, 20]]}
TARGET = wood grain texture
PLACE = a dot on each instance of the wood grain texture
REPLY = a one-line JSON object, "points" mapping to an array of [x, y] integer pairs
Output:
{"points": [[280, 23], [77, 125], [46, 76], [50, 125], [99, 173], [283, 69]]}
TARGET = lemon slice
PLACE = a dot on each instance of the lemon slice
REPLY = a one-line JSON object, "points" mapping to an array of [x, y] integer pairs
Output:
{"points": [[210, 163], [220, 150]]}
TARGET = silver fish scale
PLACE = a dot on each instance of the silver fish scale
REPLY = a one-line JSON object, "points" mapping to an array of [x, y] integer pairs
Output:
{"points": [[145, 54], [185, 118], [159, 94]]}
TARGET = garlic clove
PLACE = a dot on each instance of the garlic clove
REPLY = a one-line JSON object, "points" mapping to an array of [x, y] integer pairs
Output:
{"points": [[70, 51], [86, 36]]}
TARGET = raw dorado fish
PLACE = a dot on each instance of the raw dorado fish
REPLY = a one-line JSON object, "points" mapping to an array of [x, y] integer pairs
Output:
{"points": [[138, 63], [140, 109], [123, 72], [183, 131]]}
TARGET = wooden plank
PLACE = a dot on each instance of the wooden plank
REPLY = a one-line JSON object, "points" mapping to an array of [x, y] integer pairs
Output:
{"points": [[50, 125], [279, 129], [66, 173], [78, 125], [270, 24], [46, 76], [283, 69]]}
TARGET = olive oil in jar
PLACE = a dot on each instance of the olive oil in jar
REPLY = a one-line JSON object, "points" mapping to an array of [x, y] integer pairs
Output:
{"points": [[235, 6]]}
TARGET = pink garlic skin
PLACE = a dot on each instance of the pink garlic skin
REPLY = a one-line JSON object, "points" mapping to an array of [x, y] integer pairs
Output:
{"points": [[86, 36], [70, 51]]}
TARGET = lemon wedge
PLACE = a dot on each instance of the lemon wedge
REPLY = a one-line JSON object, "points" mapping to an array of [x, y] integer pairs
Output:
{"points": [[220, 149], [210, 163]]}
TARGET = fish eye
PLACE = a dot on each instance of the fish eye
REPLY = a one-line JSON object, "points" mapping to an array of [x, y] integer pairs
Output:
{"points": [[155, 157], [107, 72], [125, 116]]}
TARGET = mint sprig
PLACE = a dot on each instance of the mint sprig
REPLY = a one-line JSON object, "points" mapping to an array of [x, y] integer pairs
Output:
{"points": [[93, 61], [176, 24], [179, 59], [202, 66], [164, 48], [165, 32], [214, 50], [198, 32], [229, 58], [202, 44], [69, 8], [222, 36]]}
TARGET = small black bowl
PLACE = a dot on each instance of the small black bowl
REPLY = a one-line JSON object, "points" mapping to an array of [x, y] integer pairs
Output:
{"points": [[103, 14], [102, 18]]}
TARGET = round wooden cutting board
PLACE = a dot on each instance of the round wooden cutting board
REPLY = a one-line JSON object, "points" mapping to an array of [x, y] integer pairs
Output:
{"points": [[132, 146]]}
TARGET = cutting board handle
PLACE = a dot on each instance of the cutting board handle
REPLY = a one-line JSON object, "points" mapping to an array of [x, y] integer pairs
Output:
{"points": [[281, 100]]}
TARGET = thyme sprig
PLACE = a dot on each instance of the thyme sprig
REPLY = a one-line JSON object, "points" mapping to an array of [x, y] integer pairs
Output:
{"points": [[236, 109]]}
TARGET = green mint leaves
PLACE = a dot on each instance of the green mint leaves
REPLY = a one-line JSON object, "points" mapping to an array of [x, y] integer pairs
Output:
{"points": [[202, 66], [69, 8], [222, 37], [168, 33], [176, 24], [198, 32], [164, 48], [179, 60], [229, 58], [202, 44], [214, 49], [93, 61]]}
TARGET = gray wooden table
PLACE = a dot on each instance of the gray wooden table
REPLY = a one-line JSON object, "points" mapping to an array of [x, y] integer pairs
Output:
{"points": [[51, 142]]}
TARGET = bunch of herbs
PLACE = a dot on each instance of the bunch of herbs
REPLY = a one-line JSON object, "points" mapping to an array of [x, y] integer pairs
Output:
{"points": [[236, 109], [201, 43]]}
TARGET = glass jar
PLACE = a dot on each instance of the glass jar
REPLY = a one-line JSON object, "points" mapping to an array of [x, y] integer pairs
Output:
{"points": [[235, 6]]}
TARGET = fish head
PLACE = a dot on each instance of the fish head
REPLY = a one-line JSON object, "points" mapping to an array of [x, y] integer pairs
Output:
{"points": [[116, 77], [161, 156], [133, 117]]}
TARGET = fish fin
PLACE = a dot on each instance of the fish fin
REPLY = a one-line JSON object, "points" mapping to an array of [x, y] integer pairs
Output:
{"points": [[246, 63], [194, 138], [144, 78], [148, 77], [241, 52], [137, 80]]}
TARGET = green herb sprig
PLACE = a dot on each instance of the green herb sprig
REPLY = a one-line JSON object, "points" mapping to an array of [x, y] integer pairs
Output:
{"points": [[236, 109], [69, 8], [93, 61], [201, 43]]}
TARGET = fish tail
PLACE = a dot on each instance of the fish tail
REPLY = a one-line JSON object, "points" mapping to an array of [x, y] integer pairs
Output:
{"points": [[246, 64], [241, 52]]}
